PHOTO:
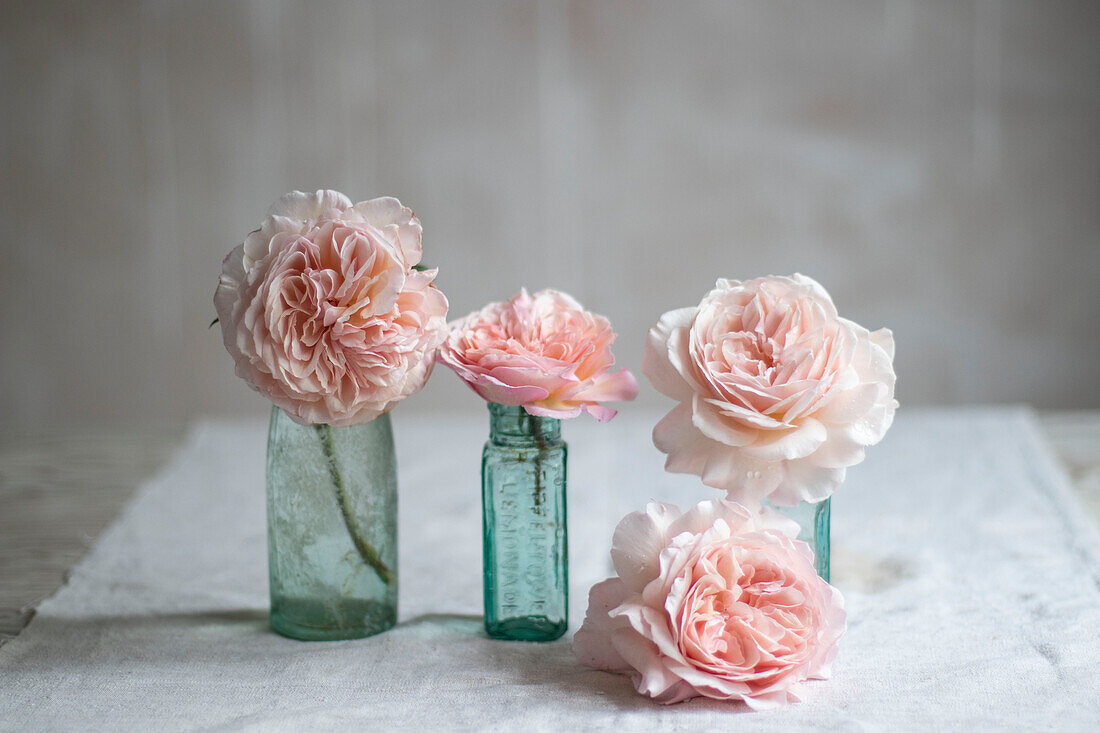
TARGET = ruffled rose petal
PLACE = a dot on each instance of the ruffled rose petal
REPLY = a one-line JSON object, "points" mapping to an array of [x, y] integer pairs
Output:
{"points": [[387, 213], [309, 206], [602, 413], [798, 442], [493, 390], [689, 451], [561, 413], [705, 515], [651, 677], [884, 339], [638, 541], [805, 481], [659, 361], [592, 642], [707, 418], [620, 386]]}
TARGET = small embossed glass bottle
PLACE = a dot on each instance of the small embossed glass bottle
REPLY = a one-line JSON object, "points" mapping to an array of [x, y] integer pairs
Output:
{"points": [[526, 561], [813, 521], [331, 528]]}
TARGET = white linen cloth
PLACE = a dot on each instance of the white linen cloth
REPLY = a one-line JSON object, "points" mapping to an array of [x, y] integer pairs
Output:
{"points": [[972, 582]]}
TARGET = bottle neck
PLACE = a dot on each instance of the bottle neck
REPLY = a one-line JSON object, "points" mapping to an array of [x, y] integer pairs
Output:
{"points": [[512, 425]]}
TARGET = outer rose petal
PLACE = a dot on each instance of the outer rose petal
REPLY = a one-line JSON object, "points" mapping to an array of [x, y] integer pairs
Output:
{"points": [[651, 675], [225, 296], [601, 413], [656, 363], [839, 451], [539, 410], [769, 519], [620, 386], [870, 428], [850, 405], [820, 294], [388, 212], [718, 427], [592, 642], [799, 442], [884, 339], [494, 390], [638, 541], [704, 515], [805, 481], [513, 373], [689, 451], [306, 206], [651, 623]]}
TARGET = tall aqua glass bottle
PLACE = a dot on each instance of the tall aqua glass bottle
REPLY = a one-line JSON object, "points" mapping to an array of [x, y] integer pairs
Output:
{"points": [[813, 522], [526, 560]]}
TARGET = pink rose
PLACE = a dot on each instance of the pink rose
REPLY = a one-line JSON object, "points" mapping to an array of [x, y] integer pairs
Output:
{"points": [[778, 394], [719, 602], [322, 311], [544, 352]]}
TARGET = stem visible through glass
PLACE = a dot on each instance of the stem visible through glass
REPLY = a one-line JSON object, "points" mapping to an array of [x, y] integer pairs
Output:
{"points": [[368, 553], [540, 441]]}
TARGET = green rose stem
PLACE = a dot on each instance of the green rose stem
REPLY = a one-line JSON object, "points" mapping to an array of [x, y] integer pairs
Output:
{"points": [[368, 553], [540, 440]]}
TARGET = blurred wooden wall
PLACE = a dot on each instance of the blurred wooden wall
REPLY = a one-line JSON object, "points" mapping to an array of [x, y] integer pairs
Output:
{"points": [[934, 164]]}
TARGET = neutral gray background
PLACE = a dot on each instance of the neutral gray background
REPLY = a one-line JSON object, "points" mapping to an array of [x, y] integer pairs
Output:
{"points": [[935, 164]]}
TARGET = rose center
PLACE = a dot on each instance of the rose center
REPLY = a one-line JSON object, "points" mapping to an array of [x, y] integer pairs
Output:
{"points": [[749, 352]]}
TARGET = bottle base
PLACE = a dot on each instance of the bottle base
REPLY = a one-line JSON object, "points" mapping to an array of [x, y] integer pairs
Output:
{"points": [[310, 620], [526, 628]]}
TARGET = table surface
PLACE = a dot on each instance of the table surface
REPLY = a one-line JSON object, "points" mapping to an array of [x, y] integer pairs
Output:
{"points": [[59, 489], [954, 622]]}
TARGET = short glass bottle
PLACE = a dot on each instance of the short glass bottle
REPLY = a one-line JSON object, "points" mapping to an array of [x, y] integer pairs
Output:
{"points": [[331, 528], [813, 521], [526, 558]]}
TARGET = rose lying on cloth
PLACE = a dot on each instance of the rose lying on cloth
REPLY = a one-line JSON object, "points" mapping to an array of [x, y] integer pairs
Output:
{"points": [[323, 312], [544, 352], [778, 394], [719, 602]]}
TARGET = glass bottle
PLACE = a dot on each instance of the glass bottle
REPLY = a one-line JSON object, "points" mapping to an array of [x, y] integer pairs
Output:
{"points": [[525, 554], [331, 528], [813, 521]]}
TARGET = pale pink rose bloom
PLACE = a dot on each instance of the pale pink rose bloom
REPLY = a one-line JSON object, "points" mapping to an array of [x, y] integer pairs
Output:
{"points": [[546, 353], [322, 311], [778, 394], [720, 602]]}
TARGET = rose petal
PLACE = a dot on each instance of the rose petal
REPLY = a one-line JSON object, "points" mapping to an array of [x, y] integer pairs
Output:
{"points": [[659, 364], [592, 642], [803, 480], [309, 206], [637, 543], [713, 424], [799, 442]]}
